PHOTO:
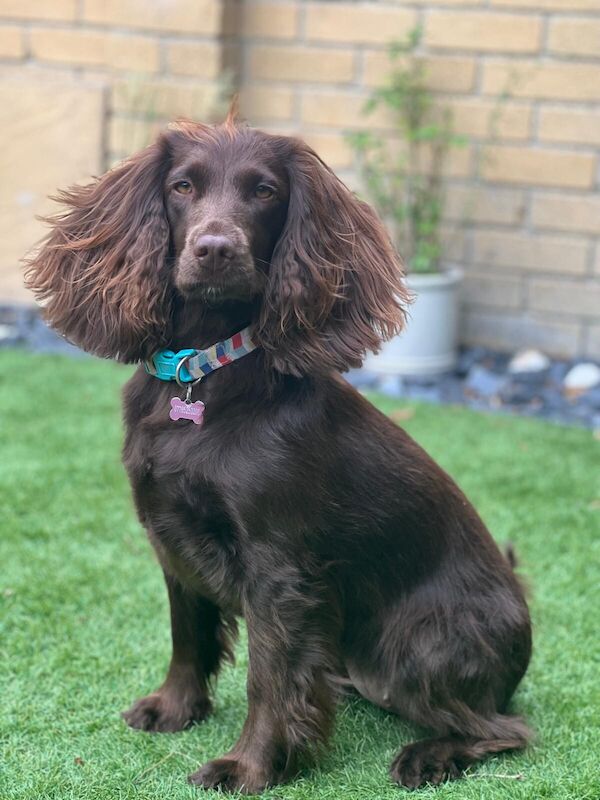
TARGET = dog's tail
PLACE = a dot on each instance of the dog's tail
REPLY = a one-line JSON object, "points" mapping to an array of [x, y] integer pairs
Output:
{"points": [[511, 555]]}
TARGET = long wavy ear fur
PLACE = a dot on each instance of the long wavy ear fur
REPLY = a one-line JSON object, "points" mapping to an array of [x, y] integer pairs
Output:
{"points": [[335, 288], [102, 271]]}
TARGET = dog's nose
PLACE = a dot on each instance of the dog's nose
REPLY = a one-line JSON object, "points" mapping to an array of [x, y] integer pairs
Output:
{"points": [[212, 250]]}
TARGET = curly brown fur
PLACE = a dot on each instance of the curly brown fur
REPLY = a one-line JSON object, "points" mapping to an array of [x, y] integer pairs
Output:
{"points": [[353, 557]]}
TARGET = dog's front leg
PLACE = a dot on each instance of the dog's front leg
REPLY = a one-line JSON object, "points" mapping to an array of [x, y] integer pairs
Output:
{"points": [[199, 642], [291, 639]]}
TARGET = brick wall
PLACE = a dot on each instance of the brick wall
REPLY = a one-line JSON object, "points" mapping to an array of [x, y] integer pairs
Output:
{"points": [[523, 212], [84, 83]]}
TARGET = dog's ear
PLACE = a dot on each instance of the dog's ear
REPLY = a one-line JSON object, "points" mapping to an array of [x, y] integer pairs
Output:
{"points": [[335, 286], [101, 273]]}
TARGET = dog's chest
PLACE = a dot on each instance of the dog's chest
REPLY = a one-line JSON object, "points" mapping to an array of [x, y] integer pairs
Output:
{"points": [[186, 513]]}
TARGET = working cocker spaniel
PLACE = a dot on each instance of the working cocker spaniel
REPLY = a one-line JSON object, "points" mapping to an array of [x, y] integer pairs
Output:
{"points": [[272, 490]]}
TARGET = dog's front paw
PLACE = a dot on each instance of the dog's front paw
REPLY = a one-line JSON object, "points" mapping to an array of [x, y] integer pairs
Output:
{"points": [[165, 712], [232, 774]]}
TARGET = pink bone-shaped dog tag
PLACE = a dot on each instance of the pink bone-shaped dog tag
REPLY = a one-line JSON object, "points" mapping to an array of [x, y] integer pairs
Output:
{"points": [[182, 410]]}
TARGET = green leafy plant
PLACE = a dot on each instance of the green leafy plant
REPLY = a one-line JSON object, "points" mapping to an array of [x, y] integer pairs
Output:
{"points": [[403, 174]]}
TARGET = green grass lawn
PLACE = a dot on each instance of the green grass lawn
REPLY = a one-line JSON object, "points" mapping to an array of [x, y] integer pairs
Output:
{"points": [[84, 622]]}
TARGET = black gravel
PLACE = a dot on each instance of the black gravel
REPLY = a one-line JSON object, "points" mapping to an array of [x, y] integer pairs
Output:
{"points": [[482, 381], [22, 326]]}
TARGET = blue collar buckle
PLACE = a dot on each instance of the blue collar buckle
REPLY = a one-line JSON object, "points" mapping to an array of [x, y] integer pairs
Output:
{"points": [[170, 366]]}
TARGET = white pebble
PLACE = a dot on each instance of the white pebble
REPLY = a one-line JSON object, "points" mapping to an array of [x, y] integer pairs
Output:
{"points": [[528, 361], [582, 377]]}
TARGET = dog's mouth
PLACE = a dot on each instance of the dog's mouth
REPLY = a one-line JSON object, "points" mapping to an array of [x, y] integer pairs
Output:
{"points": [[240, 280], [211, 295], [215, 294]]}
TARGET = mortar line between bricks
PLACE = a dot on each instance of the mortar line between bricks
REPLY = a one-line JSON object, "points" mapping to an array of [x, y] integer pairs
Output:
{"points": [[83, 26]]}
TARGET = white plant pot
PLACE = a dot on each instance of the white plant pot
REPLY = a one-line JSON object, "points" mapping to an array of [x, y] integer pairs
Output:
{"points": [[428, 344]]}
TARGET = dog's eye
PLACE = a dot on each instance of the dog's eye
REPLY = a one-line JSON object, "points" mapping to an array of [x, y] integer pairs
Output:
{"points": [[183, 187], [264, 192]]}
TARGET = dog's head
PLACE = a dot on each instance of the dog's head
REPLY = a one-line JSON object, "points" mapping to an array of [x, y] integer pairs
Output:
{"points": [[219, 215]]}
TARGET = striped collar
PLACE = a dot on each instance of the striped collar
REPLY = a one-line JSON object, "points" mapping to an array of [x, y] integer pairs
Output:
{"points": [[189, 366]]}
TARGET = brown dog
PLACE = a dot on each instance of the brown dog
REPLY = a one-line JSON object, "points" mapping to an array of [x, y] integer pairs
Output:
{"points": [[351, 555]]}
